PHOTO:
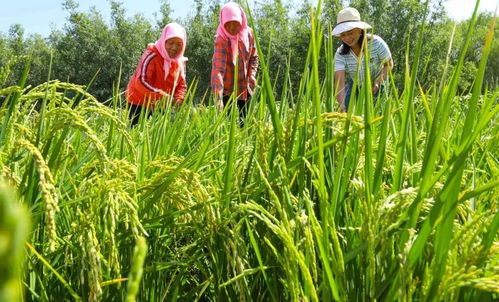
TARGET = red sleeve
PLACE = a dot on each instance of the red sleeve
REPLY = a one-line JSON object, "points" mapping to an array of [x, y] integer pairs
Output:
{"points": [[218, 66], [147, 76]]}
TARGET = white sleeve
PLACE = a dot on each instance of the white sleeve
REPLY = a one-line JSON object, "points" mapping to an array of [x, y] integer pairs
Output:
{"points": [[383, 50], [339, 61]]}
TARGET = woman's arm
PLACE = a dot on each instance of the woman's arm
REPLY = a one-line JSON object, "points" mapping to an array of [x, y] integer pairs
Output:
{"points": [[218, 65], [253, 64], [180, 91], [339, 78], [148, 73], [388, 65]]}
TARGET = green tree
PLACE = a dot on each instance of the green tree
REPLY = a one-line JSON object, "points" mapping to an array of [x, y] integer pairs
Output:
{"points": [[39, 52], [474, 53], [201, 30], [273, 27], [129, 37], [398, 23], [16, 38], [330, 9], [165, 12], [88, 47], [299, 44]]}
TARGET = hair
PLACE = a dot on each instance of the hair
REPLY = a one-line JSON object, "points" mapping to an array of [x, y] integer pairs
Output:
{"points": [[345, 48]]}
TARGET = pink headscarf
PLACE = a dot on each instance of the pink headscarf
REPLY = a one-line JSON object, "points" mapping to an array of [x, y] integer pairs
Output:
{"points": [[172, 30], [233, 12]]}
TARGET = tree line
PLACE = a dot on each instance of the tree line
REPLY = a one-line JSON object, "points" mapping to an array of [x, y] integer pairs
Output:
{"points": [[102, 54]]}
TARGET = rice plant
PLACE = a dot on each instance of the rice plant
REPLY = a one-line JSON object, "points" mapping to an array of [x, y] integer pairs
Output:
{"points": [[395, 200]]}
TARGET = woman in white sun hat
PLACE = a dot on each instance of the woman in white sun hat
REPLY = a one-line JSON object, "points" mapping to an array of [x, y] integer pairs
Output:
{"points": [[351, 30]]}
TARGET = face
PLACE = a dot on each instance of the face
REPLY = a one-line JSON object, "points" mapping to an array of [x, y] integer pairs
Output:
{"points": [[173, 46], [351, 37], [232, 27]]}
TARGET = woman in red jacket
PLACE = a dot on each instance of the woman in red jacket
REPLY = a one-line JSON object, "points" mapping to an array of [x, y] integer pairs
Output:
{"points": [[160, 74]]}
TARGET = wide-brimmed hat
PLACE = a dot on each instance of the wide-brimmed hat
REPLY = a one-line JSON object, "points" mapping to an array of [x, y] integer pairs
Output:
{"points": [[348, 19]]}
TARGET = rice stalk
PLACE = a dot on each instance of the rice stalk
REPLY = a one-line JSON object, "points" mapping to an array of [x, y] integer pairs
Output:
{"points": [[48, 191]]}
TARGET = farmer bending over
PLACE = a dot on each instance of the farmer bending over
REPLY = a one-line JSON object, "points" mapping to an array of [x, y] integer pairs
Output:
{"points": [[160, 74], [351, 30]]}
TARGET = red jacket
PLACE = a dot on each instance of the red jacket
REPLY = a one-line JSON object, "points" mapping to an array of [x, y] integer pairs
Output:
{"points": [[149, 78]]}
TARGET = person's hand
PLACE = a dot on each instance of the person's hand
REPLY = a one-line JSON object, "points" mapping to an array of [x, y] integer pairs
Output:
{"points": [[343, 107], [375, 88], [163, 93], [177, 104], [219, 104]]}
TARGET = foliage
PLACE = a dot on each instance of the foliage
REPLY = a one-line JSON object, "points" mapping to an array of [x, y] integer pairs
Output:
{"points": [[394, 200], [89, 49], [201, 29], [474, 53]]}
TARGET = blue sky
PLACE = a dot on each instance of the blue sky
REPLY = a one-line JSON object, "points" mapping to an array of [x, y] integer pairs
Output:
{"points": [[40, 16]]}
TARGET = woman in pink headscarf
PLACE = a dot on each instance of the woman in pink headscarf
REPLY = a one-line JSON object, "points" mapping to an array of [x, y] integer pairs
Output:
{"points": [[160, 73], [234, 46]]}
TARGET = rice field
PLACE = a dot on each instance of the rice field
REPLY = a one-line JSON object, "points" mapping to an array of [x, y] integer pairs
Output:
{"points": [[396, 201]]}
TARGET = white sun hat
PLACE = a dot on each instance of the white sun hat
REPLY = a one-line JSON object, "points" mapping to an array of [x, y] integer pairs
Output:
{"points": [[348, 19]]}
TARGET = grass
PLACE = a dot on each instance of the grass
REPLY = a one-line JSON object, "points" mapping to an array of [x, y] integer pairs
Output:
{"points": [[392, 201]]}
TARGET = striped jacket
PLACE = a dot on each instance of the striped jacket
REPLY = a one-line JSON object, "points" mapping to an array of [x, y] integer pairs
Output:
{"points": [[222, 68], [149, 78], [379, 54]]}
